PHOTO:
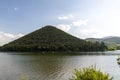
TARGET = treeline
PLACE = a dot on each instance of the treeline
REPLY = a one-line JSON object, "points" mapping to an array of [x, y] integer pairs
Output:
{"points": [[86, 46]]}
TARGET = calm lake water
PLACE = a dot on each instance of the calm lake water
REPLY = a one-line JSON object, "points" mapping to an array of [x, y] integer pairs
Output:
{"points": [[54, 67]]}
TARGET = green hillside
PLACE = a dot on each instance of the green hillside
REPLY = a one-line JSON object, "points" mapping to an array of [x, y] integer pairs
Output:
{"points": [[112, 39], [50, 38], [111, 42], [107, 41]]}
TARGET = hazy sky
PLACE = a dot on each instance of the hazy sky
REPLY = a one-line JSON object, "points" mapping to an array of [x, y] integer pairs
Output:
{"points": [[81, 18]]}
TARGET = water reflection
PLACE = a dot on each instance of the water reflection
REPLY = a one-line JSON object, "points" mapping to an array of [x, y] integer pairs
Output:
{"points": [[53, 67], [43, 67]]}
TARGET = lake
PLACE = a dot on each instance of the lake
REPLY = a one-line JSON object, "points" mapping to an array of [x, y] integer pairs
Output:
{"points": [[54, 67]]}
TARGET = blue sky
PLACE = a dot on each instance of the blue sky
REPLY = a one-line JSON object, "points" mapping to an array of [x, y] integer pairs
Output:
{"points": [[81, 18]]}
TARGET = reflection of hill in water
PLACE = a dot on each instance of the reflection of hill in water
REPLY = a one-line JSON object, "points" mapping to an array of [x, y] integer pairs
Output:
{"points": [[41, 67], [53, 67]]}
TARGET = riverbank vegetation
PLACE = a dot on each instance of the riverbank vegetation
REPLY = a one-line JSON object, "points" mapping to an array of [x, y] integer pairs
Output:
{"points": [[112, 42], [118, 60], [90, 73]]}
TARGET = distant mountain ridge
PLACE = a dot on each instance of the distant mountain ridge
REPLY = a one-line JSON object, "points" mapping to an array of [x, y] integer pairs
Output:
{"points": [[113, 42], [112, 39], [50, 38]]}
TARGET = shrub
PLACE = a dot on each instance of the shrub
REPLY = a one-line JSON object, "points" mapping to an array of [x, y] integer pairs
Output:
{"points": [[90, 73], [118, 60]]}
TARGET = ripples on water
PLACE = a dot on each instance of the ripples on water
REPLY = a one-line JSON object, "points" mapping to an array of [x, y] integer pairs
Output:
{"points": [[54, 67]]}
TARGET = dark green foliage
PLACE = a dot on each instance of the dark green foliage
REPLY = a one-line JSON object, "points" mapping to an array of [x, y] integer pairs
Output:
{"points": [[118, 47], [50, 38], [118, 60], [90, 73]]}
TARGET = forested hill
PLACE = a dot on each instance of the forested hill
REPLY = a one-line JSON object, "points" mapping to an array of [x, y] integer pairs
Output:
{"points": [[113, 42], [50, 38], [111, 39]]}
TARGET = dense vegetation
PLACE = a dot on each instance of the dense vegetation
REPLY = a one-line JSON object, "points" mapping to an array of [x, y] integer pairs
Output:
{"points": [[90, 73], [113, 43], [112, 39], [118, 60], [50, 38], [118, 46]]}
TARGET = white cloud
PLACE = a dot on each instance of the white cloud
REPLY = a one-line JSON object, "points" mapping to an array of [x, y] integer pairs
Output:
{"points": [[64, 27], [90, 33], [66, 17], [16, 8], [7, 37], [80, 22], [86, 33]]}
